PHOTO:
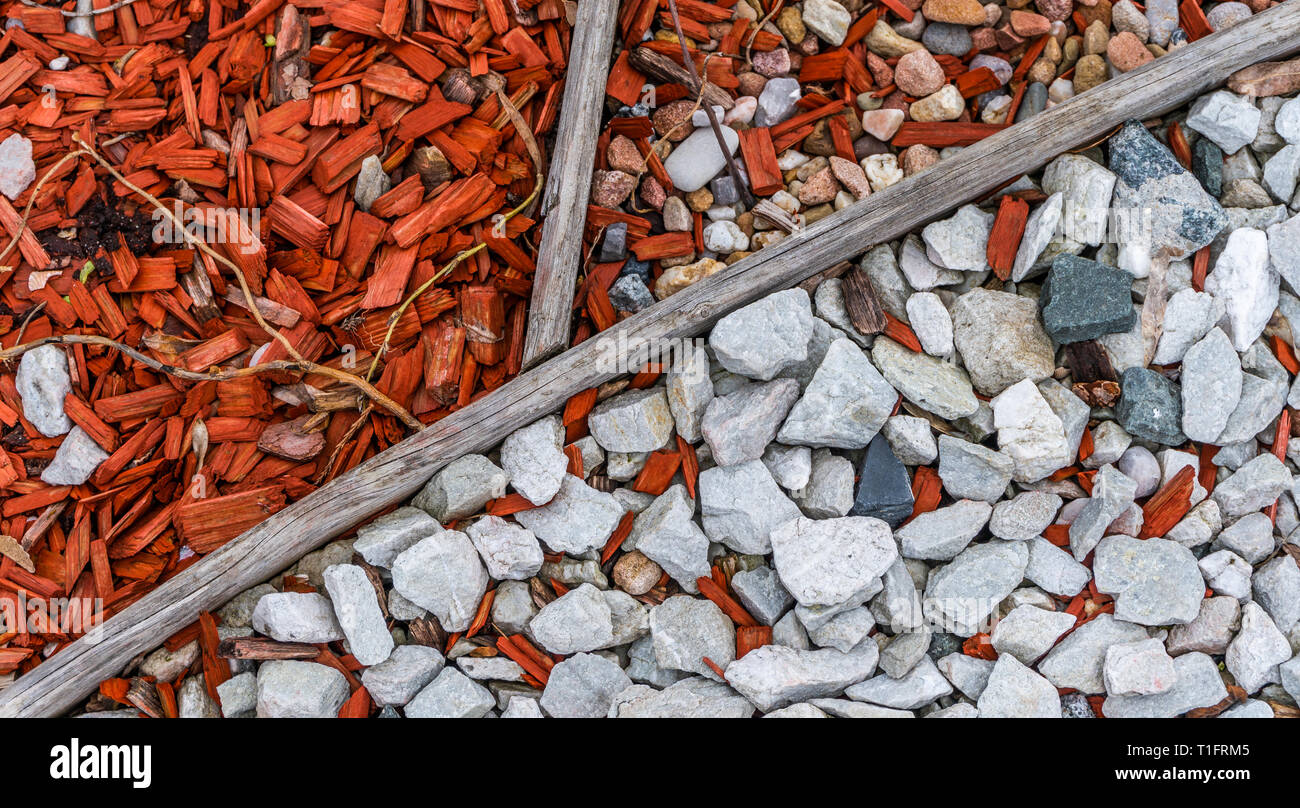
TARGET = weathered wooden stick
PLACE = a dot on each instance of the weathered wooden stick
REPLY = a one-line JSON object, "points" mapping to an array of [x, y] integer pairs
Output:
{"points": [[60, 682], [568, 185]]}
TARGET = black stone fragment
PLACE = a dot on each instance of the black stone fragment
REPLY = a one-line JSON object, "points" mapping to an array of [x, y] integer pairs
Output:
{"points": [[884, 490], [1150, 407], [614, 245], [1207, 165], [1083, 300]]}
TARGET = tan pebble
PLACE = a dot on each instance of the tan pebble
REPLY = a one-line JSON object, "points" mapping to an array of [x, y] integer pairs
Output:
{"points": [[678, 278], [1089, 72], [635, 574], [736, 256], [956, 12], [790, 22], [745, 222], [700, 201], [766, 239], [992, 14], [811, 167], [885, 41], [1070, 52], [1052, 51], [1043, 71], [945, 105], [1095, 38], [818, 212], [677, 260]]}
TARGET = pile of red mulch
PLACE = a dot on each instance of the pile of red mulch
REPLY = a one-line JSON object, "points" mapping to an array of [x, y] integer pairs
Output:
{"points": [[256, 119]]}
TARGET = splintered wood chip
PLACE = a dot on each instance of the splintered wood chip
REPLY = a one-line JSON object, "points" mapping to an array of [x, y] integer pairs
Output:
{"points": [[10, 547]]}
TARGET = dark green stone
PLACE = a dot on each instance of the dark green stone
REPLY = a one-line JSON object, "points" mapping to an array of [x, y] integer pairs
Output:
{"points": [[884, 491], [1083, 300], [1150, 407], [1207, 165]]}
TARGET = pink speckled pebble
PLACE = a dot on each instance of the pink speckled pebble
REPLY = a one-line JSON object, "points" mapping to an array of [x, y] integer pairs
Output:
{"points": [[1127, 52]]}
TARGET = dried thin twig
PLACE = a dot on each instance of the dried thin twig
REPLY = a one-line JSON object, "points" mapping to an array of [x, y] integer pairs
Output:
{"points": [[534, 151], [91, 13], [741, 187], [302, 366], [299, 361]]}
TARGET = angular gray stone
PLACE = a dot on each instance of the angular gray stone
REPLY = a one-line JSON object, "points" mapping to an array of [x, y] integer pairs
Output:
{"points": [[509, 551], [1155, 582], [960, 595], [76, 459], [407, 670], [761, 339], [960, 242], [685, 630], [534, 459], [667, 534], [583, 686], [579, 620], [1141, 668], [775, 675], [741, 504], [911, 439], [689, 390], [1016, 691], [923, 685], [1257, 650], [294, 689], [1112, 494], [1027, 632], [1276, 587], [444, 575], [1211, 631], [1086, 188], [635, 421], [972, 471], [1149, 177], [1189, 315], [1246, 283], [1250, 537], [382, 540], [296, 617], [829, 492], [968, 674], [1252, 487], [462, 488], [760, 591], [1078, 660], [739, 426], [1001, 340], [1025, 516], [451, 694], [356, 604], [790, 466], [1054, 570], [43, 381], [1030, 432], [522, 707], [579, 518], [844, 631], [844, 405], [1228, 119], [1150, 407], [828, 562], [1085, 300], [1197, 684], [932, 384], [941, 534], [1227, 574], [695, 697], [238, 696]]}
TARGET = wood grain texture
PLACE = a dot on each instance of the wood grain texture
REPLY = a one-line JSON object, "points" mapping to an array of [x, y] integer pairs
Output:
{"points": [[59, 683], [568, 187]]}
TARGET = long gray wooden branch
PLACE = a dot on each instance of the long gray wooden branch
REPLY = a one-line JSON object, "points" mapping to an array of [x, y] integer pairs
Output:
{"points": [[260, 553]]}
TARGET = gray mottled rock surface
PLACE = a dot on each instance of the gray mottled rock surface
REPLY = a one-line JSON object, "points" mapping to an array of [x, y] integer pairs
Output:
{"points": [[578, 519], [761, 339], [444, 575]]}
